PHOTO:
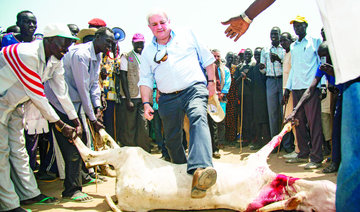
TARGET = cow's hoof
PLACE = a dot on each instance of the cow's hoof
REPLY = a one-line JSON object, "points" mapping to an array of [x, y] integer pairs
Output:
{"points": [[203, 179]]}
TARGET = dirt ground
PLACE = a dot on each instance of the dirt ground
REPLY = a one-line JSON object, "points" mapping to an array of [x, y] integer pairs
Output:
{"points": [[229, 154]]}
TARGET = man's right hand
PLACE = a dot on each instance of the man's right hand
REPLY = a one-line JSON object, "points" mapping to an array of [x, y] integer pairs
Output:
{"points": [[148, 112], [130, 105], [285, 98], [290, 117], [67, 130]]}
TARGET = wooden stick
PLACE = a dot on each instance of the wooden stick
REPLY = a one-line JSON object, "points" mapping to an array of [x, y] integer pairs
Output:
{"points": [[241, 112], [95, 148], [282, 124]]}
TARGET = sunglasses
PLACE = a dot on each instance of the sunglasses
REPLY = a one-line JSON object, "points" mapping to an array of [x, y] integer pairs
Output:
{"points": [[161, 56]]}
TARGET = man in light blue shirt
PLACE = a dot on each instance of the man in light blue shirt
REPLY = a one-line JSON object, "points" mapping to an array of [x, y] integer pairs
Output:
{"points": [[82, 68], [304, 63], [175, 59]]}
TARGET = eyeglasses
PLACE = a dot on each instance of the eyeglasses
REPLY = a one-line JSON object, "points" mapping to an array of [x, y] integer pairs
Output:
{"points": [[161, 56]]}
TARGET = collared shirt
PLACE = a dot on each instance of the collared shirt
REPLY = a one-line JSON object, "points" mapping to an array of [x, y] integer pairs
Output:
{"points": [[82, 69], [183, 68], [32, 69], [272, 69], [304, 63]]}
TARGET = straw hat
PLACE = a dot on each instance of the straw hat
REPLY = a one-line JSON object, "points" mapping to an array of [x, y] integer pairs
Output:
{"points": [[214, 109]]}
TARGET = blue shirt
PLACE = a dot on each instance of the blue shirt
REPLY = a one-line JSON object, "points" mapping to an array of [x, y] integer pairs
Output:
{"points": [[227, 82], [8, 39], [304, 63], [272, 69], [82, 68], [330, 79], [183, 68]]}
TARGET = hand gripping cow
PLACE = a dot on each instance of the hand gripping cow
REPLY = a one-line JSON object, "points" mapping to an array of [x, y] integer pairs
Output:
{"points": [[146, 183]]}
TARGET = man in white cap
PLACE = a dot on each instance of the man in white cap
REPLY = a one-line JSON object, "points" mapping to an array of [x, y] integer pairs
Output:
{"points": [[23, 69], [133, 128]]}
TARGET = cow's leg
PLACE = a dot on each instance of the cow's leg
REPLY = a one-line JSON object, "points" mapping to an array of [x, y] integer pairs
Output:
{"points": [[93, 158], [289, 204], [107, 139], [111, 203]]}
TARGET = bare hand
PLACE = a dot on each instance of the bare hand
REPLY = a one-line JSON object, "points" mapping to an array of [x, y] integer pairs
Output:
{"points": [[290, 117], [78, 128], [130, 105], [148, 112], [211, 88], [97, 125], [327, 68], [237, 27]]}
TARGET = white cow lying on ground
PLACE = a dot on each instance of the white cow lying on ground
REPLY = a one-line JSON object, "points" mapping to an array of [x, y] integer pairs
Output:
{"points": [[145, 183]]}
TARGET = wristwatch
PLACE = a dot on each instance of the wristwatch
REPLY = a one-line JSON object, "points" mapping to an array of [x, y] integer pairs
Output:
{"points": [[246, 18], [211, 81]]}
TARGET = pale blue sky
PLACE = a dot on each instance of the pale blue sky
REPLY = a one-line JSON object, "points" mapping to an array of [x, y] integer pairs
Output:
{"points": [[203, 16]]}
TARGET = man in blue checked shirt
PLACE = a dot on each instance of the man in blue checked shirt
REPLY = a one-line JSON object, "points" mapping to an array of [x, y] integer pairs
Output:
{"points": [[271, 61], [175, 59]]}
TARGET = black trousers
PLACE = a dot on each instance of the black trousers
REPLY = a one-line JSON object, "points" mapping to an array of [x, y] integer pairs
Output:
{"points": [[309, 115], [72, 159]]}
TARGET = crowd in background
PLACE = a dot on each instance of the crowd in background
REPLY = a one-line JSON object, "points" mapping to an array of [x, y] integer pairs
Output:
{"points": [[259, 91]]}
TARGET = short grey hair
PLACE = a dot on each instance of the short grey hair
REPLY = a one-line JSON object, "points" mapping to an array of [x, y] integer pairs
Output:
{"points": [[156, 11]]}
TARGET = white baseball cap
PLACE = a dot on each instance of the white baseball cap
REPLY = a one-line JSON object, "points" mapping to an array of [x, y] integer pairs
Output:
{"points": [[57, 29]]}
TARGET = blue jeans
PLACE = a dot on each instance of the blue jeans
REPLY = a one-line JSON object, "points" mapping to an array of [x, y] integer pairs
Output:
{"points": [[348, 181], [172, 108]]}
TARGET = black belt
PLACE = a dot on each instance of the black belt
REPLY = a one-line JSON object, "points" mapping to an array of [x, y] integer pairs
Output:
{"points": [[272, 77], [175, 92]]}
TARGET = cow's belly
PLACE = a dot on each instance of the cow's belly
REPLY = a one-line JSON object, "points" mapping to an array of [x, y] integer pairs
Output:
{"points": [[155, 184]]}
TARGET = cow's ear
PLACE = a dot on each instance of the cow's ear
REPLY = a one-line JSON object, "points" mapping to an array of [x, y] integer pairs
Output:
{"points": [[292, 203]]}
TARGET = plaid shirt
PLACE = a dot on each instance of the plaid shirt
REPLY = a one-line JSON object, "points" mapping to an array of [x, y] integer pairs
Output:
{"points": [[272, 69]]}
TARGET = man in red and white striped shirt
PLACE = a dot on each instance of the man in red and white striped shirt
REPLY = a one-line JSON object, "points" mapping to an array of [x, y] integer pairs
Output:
{"points": [[23, 69]]}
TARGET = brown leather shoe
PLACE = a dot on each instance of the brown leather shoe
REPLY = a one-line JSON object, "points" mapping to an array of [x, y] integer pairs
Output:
{"points": [[203, 179]]}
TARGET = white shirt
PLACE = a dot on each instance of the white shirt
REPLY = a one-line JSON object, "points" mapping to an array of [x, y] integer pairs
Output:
{"points": [[30, 64], [187, 56], [340, 20]]}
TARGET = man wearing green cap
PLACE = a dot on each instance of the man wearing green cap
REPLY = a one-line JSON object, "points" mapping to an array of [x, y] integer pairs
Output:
{"points": [[23, 69], [304, 63]]}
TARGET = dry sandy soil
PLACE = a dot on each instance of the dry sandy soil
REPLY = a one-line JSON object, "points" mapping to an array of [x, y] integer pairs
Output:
{"points": [[229, 154]]}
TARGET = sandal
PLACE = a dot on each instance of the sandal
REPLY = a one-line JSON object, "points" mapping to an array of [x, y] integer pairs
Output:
{"points": [[40, 199], [92, 181], [79, 197]]}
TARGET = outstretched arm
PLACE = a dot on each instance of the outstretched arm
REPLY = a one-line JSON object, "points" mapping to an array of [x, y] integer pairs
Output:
{"points": [[240, 24], [307, 94]]}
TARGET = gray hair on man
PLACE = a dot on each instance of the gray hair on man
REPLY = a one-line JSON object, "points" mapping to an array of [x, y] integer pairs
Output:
{"points": [[156, 11]]}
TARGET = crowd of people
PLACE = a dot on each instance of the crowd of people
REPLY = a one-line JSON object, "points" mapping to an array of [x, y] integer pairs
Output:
{"points": [[68, 83]]}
